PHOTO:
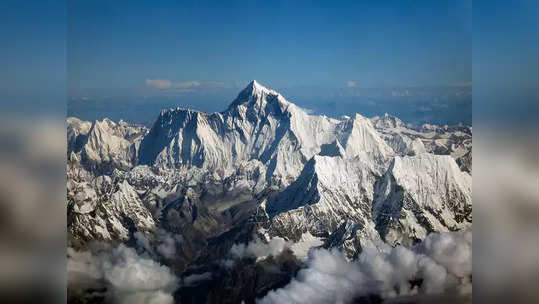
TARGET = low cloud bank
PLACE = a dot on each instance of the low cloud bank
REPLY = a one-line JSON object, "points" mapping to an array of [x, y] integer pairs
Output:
{"points": [[128, 276], [258, 248], [442, 262], [163, 244]]}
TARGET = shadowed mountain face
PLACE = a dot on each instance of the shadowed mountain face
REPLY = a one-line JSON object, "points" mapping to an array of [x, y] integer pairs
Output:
{"points": [[241, 196]]}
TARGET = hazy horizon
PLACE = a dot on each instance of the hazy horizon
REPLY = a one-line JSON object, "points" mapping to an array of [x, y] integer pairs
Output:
{"points": [[427, 104]]}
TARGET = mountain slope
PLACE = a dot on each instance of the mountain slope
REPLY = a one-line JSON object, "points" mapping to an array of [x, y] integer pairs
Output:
{"points": [[421, 194]]}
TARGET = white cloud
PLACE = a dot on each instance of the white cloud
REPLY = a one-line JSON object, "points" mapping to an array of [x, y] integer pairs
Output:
{"points": [[159, 83], [186, 84], [166, 84], [130, 277], [167, 242], [163, 244], [351, 84], [259, 249], [127, 271], [442, 261]]}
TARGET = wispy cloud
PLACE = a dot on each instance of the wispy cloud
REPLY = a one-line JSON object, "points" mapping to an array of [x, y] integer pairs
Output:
{"points": [[158, 83], [186, 84], [258, 248], [163, 83], [351, 84]]}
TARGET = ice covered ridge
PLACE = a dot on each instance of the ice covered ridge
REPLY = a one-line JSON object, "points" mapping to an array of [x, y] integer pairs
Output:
{"points": [[259, 125]]}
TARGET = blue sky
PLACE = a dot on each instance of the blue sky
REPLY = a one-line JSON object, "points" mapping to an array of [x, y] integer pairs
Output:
{"points": [[33, 55], [114, 47], [120, 44], [136, 57]]}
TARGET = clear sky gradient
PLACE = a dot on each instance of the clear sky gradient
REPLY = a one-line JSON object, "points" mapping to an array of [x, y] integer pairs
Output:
{"points": [[120, 44], [129, 59], [301, 48]]}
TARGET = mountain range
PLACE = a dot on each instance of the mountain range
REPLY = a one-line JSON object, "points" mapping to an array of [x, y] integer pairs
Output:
{"points": [[265, 169]]}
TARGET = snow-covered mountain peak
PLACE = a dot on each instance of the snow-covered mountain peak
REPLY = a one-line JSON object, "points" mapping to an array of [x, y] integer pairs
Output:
{"points": [[387, 121], [254, 87], [359, 117], [259, 98], [329, 190], [359, 137]]}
